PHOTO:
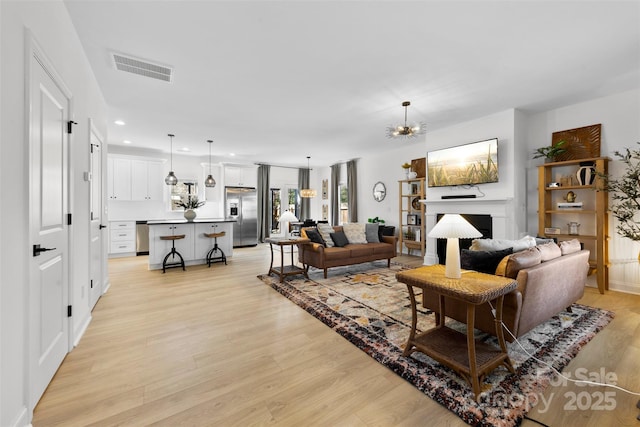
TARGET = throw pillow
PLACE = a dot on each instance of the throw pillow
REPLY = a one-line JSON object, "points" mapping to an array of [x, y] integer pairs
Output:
{"points": [[371, 230], [339, 239], [325, 231], [314, 236], [549, 251], [542, 241], [355, 232], [482, 261], [570, 246], [512, 264], [499, 244]]}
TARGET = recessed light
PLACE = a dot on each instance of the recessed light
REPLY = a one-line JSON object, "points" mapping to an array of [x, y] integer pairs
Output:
{"points": [[126, 141], [185, 149], [232, 154], [119, 122]]}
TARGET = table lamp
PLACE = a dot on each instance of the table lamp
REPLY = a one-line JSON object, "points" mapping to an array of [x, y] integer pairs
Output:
{"points": [[284, 220], [453, 227]]}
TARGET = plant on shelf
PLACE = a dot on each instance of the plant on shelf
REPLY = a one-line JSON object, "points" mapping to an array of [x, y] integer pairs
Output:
{"points": [[550, 152], [406, 166], [192, 202], [376, 219], [625, 195]]}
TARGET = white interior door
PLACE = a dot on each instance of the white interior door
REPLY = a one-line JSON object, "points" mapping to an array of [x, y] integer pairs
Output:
{"points": [[97, 222], [49, 230]]}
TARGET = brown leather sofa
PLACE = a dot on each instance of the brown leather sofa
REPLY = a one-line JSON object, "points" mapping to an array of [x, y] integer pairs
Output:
{"points": [[546, 288], [315, 254]]}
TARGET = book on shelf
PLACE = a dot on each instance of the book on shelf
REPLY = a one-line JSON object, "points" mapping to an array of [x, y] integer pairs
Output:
{"points": [[570, 205]]}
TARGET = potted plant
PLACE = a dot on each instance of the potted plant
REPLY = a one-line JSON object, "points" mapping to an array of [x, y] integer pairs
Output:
{"points": [[189, 205], [407, 168], [550, 152]]}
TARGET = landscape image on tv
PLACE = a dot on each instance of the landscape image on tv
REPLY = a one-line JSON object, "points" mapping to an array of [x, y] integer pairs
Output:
{"points": [[469, 164]]}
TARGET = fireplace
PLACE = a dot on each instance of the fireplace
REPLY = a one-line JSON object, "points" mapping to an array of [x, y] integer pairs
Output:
{"points": [[483, 223]]}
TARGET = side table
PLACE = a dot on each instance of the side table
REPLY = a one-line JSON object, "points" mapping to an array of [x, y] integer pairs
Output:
{"points": [[470, 358], [285, 270]]}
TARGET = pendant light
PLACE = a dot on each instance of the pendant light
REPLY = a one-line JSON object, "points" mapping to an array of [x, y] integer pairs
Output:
{"points": [[210, 182], [407, 130], [308, 192], [171, 179]]}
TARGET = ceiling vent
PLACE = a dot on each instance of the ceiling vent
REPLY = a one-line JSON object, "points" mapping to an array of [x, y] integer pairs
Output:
{"points": [[142, 68]]}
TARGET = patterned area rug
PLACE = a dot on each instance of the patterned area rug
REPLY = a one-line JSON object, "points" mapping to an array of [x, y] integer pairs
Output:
{"points": [[367, 306]]}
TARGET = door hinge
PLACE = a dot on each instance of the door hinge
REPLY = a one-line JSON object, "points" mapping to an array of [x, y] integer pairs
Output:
{"points": [[91, 284], [69, 311], [68, 219], [70, 124]]}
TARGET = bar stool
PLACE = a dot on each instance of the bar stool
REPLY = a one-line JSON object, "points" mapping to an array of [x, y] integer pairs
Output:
{"points": [[210, 258], [173, 253]]}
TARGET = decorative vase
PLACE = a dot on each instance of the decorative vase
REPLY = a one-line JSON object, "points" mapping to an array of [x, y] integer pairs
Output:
{"points": [[586, 173], [190, 214], [412, 175]]}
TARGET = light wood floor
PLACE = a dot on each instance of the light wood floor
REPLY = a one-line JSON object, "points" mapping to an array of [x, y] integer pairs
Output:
{"points": [[215, 346]]}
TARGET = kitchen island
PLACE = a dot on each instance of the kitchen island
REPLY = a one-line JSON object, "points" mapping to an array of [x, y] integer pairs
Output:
{"points": [[195, 245]]}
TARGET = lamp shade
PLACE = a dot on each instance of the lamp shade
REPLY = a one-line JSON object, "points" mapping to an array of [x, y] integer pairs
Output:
{"points": [[453, 225], [288, 216]]}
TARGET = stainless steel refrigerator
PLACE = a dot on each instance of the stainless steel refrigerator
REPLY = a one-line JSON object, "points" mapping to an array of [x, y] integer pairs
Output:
{"points": [[241, 204]]}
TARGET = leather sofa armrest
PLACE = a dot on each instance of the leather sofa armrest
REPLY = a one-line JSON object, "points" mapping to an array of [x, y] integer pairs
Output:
{"points": [[390, 239]]}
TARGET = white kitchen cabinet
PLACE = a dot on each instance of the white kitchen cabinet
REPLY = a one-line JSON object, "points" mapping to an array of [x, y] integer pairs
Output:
{"points": [[119, 178], [122, 238], [147, 182], [158, 248], [240, 176], [204, 244]]}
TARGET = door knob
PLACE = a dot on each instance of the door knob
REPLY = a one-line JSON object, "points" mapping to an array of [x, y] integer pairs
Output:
{"points": [[37, 249], [100, 227]]}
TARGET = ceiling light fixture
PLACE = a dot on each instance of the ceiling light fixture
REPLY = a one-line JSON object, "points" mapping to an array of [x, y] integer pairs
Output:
{"points": [[308, 192], [119, 122], [210, 182], [406, 131], [126, 141], [171, 179]]}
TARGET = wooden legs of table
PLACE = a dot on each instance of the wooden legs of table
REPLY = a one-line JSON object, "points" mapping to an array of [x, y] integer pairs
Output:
{"points": [[472, 360], [286, 270]]}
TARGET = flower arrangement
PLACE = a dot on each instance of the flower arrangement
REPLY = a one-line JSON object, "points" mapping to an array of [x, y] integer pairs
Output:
{"points": [[406, 165], [192, 202]]}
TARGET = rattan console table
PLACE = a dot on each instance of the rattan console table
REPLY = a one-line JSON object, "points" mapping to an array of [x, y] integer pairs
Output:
{"points": [[470, 358]]}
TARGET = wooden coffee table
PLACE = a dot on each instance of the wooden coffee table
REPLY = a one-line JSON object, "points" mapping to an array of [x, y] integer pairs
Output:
{"points": [[470, 358]]}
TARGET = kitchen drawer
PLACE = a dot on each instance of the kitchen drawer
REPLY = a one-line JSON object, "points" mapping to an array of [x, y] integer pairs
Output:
{"points": [[120, 235], [122, 225], [121, 247]]}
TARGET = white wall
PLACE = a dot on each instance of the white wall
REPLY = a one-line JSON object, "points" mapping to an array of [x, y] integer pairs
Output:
{"points": [[52, 28], [619, 115]]}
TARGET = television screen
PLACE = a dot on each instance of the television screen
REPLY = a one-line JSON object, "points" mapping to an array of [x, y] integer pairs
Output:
{"points": [[469, 164]]}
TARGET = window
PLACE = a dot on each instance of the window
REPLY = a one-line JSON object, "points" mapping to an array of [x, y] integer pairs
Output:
{"points": [[276, 210], [344, 203], [294, 202]]}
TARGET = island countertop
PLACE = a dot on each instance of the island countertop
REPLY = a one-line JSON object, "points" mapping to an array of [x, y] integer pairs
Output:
{"points": [[184, 221]]}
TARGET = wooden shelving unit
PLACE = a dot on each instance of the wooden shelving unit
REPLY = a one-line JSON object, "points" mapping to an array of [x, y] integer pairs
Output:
{"points": [[593, 217], [412, 236]]}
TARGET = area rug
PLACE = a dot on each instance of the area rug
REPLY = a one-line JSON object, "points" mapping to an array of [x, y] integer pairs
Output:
{"points": [[367, 306]]}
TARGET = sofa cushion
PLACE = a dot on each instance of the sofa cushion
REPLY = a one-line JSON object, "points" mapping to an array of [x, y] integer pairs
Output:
{"points": [[542, 241], [371, 230], [499, 244], [512, 264], [360, 250], [325, 231], [315, 236], [570, 246], [381, 248], [355, 232], [549, 251], [335, 252], [482, 261], [339, 239]]}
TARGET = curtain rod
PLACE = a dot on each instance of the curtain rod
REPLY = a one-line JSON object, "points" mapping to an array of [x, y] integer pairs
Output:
{"points": [[279, 166]]}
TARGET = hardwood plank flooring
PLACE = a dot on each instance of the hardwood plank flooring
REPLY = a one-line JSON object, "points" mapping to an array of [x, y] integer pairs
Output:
{"points": [[216, 347]]}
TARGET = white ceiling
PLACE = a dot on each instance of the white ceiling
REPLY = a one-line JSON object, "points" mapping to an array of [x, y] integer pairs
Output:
{"points": [[276, 81]]}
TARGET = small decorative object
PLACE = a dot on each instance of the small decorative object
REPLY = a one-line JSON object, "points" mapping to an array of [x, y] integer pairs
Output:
{"points": [[566, 181], [412, 219], [573, 228], [414, 188], [376, 220], [407, 168], [570, 197], [586, 173], [553, 184], [415, 203], [412, 175], [189, 205], [552, 230], [325, 212], [325, 189], [551, 152]]}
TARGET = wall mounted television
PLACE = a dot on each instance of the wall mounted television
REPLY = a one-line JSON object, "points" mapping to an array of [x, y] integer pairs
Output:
{"points": [[468, 164]]}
